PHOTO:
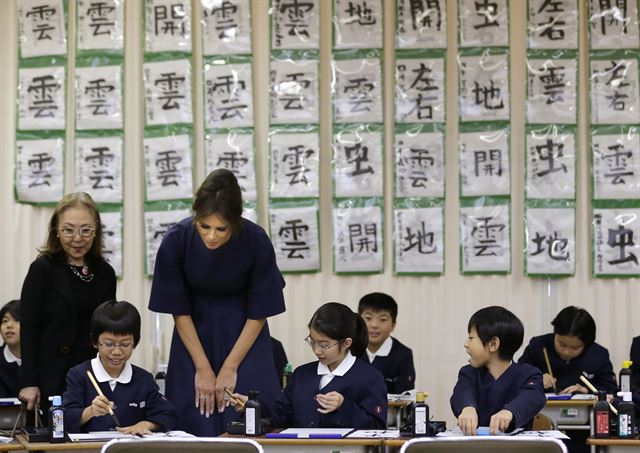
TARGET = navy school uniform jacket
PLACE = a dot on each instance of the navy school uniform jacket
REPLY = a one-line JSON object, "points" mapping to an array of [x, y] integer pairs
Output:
{"points": [[364, 405], [634, 355], [397, 367], [594, 362], [9, 377], [518, 389], [139, 400]]}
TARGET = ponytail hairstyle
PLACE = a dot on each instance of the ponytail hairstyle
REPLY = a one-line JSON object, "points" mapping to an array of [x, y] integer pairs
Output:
{"points": [[337, 321]]}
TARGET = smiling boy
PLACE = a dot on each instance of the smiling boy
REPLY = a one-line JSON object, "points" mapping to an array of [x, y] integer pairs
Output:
{"points": [[492, 390]]}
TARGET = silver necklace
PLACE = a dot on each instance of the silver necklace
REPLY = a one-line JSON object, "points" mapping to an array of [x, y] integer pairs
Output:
{"points": [[83, 274]]}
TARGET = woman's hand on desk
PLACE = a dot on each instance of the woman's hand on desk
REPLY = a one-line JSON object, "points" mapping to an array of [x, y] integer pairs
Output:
{"points": [[140, 428], [577, 388], [205, 384], [468, 421], [329, 402], [548, 381], [31, 396]]}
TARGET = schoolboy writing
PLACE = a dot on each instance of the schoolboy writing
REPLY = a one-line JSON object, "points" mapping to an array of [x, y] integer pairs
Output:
{"points": [[337, 390], [10, 358], [572, 352], [493, 390], [386, 353], [129, 391]]}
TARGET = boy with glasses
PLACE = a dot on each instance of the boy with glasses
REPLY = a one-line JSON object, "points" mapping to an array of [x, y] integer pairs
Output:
{"points": [[129, 391]]}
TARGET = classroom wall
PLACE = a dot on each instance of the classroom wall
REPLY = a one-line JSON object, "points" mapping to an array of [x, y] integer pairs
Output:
{"points": [[433, 310]]}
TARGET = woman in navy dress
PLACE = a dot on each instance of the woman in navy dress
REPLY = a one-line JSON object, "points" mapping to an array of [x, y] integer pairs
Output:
{"points": [[216, 273]]}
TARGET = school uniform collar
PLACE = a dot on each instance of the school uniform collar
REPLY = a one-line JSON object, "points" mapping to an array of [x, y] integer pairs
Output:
{"points": [[341, 369], [10, 358], [102, 375], [383, 351]]}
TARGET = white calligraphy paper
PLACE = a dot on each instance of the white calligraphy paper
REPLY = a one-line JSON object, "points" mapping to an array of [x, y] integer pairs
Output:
{"points": [[168, 25], [419, 240], [41, 28], [419, 169], [420, 90], [553, 24], [551, 91], [228, 95], [484, 163], [422, 24], [295, 237], [99, 97], [99, 168], [295, 165], [41, 98], [112, 237], [294, 91], [613, 24], [357, 95], [100, 24], [357, 24], [40, 170], [167, 86], [156, 225], [614, 93], [226, 27], [485, 239], [168, 169], [358, 164], [484, 88], [233, 151], [551, 242], [616, 249], [616, 165], [484, 23], [357, 238], [551, 164], [295, 24]]}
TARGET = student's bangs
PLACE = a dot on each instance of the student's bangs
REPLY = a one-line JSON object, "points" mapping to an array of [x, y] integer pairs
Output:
{"points": [[117, 318]]}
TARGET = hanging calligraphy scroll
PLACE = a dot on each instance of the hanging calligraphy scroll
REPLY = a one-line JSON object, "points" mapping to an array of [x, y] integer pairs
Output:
{"points": [[357, 236], [550, 237], [167, 26], [294, 231], [357, 86], [616, 162], [553, 24], [41, 94], [98, 92], [421, 24], [293, 87], [357, 24], [39, 167], [158, 218], [294, 162], [42, 27], [420, 86], [552, 87], [358, 165], [100, 25], [99, 165], [613, 24], [226, 27], [419, 161], [616, 250], [234, 151], [250, 211], [295, 24], [615, 96], [228, 92], [485, 237], [167, 87], [168, 167], [483, 23], [485, 167], [418, 237], [484, 85], [111, 222], [551, 162]]}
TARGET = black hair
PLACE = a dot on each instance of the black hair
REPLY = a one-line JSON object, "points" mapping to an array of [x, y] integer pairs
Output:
{"points": [[116, 317], [13, 308], [338, 321], [577, 322], [219, 194], [379, 302], [498, 322]]}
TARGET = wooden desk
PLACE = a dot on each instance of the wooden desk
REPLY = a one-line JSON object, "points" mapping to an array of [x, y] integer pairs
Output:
{"points": [[75, 447], [315, 445], [12, 446], [614, 445]]}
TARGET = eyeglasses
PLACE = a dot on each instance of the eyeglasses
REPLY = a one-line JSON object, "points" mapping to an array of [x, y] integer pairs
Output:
{"points": [[323, 347], [84, 232], [109, 346]]}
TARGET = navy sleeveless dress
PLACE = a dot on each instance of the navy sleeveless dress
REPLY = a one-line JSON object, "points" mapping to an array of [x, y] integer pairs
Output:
{"points": [[220, 289]]}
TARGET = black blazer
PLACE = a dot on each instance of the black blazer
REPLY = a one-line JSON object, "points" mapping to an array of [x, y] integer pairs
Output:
{"points": [[48, 323]]}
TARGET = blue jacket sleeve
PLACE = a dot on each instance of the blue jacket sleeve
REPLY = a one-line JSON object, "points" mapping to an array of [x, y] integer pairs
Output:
{"points": [[605, 378], [529, 400], [406, 374], [73, 399], [368, 413], [159, 409], [282, 412], [465, 392]]}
